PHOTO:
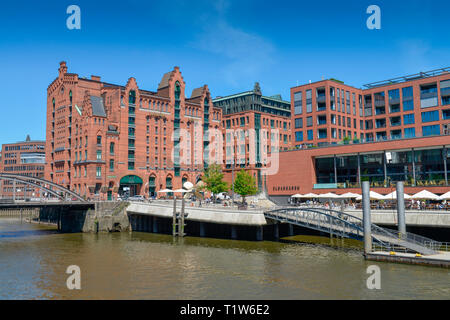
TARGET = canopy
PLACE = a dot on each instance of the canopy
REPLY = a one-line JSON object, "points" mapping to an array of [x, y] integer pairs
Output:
{"points": [[445, 196], [425, 195], [349, 195], [393, 196], [309, 196], [181, 191], [297, 196], [328, 196], [373, 196], [165, 191], [131, 180]]}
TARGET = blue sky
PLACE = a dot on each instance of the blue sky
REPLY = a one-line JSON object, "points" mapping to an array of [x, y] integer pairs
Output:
{"points": [[226, 44]]}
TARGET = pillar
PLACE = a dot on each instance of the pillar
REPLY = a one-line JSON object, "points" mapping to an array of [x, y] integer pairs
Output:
{"points": [[259, 233], [276, 231], [291, 230], [366, 217], [155, 225], [202, 229], [401, 208], [233, 232], [174, 218]]}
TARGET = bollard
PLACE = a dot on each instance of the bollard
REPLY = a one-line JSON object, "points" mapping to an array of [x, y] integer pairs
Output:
{"points": [[401, 209], [182, 225], [174, 219], [366, 217]]}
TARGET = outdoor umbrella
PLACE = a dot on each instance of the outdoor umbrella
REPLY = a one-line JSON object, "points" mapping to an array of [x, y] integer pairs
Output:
{"points": [[425, 195], [445, 196], [349, 195], [393, 196], [373, 196], [297, 196], [328, 196], [165, 191], [309, 196]]}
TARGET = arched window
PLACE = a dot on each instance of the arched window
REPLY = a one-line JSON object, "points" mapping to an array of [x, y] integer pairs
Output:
{"points": [[70, 97], [53, 103], [132, 97], [177, 91]]}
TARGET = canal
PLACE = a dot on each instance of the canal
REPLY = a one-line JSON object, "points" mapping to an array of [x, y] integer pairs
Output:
{"points": [[34, 259]]}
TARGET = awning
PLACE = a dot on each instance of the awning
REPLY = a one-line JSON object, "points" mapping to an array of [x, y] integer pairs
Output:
{"points": [[131, 180]]}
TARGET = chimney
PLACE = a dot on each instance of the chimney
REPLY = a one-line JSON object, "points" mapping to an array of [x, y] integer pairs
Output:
{"points": [[95, 78], [62, 68]]}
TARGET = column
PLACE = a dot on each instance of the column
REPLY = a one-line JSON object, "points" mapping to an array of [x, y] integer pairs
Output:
{"points": [[445, 151], [359, 169], [401, 208], [233, 232], [414, 167], [366, 217], [202, 229], [335, 169], [259, 233], [291, 230], [155, 225], [276, 231]]}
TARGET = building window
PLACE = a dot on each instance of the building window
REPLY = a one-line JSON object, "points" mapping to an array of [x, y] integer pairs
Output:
{"points": [[431, 130], [308, 101], [99, 155], [132, 97], [111, 148], [445, 92], [408, 119], [428, 95], [310, 134], [299, 136], [298, 103], [298, 123], [111, 165], [309, 121], [99, 140], [98, 172], [430, 116]]}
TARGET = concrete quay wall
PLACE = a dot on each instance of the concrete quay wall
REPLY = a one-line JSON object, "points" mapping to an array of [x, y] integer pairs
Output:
{"points": [[207, 215], [435, 219]]}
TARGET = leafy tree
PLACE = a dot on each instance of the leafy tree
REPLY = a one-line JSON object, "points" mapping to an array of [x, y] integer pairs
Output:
{"points": [[245, 185], [213, 178]]}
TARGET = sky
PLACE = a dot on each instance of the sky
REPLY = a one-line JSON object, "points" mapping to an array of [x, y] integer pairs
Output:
{"points": [[227, 44]]}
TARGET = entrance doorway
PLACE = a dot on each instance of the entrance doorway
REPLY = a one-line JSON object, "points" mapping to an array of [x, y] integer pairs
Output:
{"points": [[130, 186]]}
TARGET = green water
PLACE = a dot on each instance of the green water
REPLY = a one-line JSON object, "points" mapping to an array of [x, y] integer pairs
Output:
{"points": [[34, 259]]}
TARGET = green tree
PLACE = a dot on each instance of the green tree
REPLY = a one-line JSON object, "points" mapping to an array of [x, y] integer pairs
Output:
{"points": [[245, 185], [213, 178]]}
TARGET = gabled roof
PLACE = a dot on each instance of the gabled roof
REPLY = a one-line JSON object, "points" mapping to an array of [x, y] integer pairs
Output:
{"points": [[165, 80], [98, 108]]}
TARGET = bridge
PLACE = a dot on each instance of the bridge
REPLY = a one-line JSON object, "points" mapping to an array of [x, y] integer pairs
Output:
{"points": [[44, 185], [343, 225]]}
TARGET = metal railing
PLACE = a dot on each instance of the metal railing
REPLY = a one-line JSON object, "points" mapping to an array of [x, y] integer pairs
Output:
{"points": [[348, 226]]}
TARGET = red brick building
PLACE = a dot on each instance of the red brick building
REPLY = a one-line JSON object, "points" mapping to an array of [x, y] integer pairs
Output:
{"points": [[255, 128], [24, 158], [395, 130], [105, 139]]}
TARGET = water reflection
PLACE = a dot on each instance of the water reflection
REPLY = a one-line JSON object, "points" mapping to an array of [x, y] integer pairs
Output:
{"points": [[33, 263]]}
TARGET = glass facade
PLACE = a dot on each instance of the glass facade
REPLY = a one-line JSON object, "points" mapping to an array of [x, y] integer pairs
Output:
{"points": [[384, 169]]}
